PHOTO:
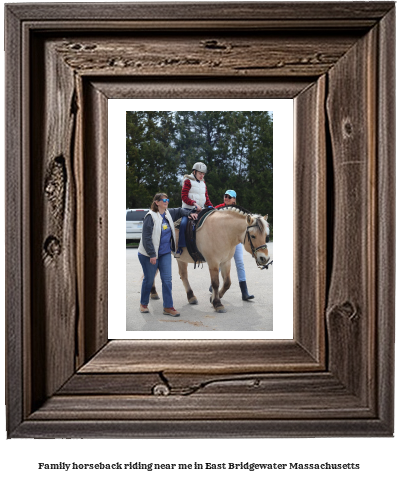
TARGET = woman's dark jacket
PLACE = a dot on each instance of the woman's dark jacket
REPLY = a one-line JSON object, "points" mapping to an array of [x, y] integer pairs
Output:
{"points": [[148, 226]]}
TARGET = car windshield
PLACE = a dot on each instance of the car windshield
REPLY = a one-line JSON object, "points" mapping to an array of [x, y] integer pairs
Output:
{"points": [[136, 216]]}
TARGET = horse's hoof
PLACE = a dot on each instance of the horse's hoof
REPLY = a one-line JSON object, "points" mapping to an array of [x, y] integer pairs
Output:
{"points": [[193, 300], [220, 310], [154, 296]]}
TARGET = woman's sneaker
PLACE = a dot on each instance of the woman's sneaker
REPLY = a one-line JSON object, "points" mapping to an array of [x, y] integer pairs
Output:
{"points": [[171, 312], [144, 308]]}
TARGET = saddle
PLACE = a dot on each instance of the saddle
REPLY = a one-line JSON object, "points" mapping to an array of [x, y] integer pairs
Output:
{"points": [[193, 226]]}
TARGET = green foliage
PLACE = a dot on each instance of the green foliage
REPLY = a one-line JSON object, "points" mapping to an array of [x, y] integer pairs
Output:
{"points": [[236, 146]]}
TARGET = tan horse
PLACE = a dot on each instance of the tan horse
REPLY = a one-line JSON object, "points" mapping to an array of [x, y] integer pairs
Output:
{"points": [[217, 240]]}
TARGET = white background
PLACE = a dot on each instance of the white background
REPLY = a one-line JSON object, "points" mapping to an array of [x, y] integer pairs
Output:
{"points": [[378, 457], [282, 213]]}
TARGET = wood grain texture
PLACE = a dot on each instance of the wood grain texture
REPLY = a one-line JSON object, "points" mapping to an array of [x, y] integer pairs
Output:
{"points": [[200, 356], [95, 201], [335, 376], [191, 428], [167, 383], [53, 212], [190, 54], [351, 109], [385, 224], [113, 384], [15, 258], [248, 406], [359, 13], [310, 231], [177, 87]]}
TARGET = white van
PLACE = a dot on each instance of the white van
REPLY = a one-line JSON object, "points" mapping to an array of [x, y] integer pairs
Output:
{"points": [[134, 223]]}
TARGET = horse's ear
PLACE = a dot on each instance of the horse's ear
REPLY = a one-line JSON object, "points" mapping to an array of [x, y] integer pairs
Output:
{"points": [[250, 219], [266, 217]]}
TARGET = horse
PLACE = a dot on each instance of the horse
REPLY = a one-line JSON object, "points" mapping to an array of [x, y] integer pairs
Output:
{"points": [[216, 240]]}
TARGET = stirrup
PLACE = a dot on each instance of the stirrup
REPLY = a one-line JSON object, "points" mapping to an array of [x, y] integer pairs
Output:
{"points": [[178, 253]]}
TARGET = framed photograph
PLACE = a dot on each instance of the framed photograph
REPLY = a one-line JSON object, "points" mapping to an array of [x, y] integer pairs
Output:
{"points": [[65, 377], [251, 147]]}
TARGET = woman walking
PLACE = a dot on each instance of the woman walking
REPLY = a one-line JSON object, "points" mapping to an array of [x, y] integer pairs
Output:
{"points": [[157, 241], [229, 198]]}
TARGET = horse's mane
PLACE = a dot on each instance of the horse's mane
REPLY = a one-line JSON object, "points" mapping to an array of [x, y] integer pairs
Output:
{"points": [[237, 208], [242, 211]]}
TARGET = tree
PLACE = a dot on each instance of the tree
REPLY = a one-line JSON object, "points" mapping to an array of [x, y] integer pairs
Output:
{"points": [[236, 146], [259, 170], [150, 157]]}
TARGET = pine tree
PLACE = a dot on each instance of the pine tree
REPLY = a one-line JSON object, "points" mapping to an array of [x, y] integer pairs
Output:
{"points": [[236, 146], [150, 157]]}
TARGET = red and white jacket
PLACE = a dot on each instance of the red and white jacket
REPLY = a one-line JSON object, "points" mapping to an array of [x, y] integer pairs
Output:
{"points": [[194, 191]]}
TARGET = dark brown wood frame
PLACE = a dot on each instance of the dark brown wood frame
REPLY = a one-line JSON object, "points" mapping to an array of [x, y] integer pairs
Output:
{"points": [[335, 378]]}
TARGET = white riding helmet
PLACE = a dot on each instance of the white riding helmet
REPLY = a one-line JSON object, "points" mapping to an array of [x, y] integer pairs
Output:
{"points": [[200, 166]]}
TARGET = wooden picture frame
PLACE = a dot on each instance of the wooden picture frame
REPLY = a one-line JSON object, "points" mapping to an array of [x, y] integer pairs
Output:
{"points": [[335, 378]]}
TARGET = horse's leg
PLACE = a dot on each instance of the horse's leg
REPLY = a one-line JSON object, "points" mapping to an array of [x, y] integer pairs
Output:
{"points": [[184, 277], [215, 299], [153, 292], [225, 269]]}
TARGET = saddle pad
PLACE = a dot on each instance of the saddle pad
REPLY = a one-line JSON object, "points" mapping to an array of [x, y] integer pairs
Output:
{"points": [[203, 216], [191, 243], [191, 235], [193, 226]]}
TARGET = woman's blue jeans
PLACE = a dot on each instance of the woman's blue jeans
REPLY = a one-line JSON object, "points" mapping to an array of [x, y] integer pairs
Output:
{"points": [[164, 264], [182, 232], [239, 260]]}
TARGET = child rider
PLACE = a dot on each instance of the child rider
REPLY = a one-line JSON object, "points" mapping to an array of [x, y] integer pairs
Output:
{"points": [[194, 194]]}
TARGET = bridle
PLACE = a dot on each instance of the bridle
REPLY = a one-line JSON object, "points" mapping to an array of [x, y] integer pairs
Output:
{"points": [[254, 249]]}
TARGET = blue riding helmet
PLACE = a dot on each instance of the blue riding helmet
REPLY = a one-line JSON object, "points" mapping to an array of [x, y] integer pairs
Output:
{"points": [[231, 193]]}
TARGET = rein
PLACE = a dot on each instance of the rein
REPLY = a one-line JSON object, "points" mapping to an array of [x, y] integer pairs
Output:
{"points": [[254, 249]]}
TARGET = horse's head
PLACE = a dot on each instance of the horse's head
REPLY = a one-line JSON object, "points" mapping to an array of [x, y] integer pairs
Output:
{"points": [[255, 238]]}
